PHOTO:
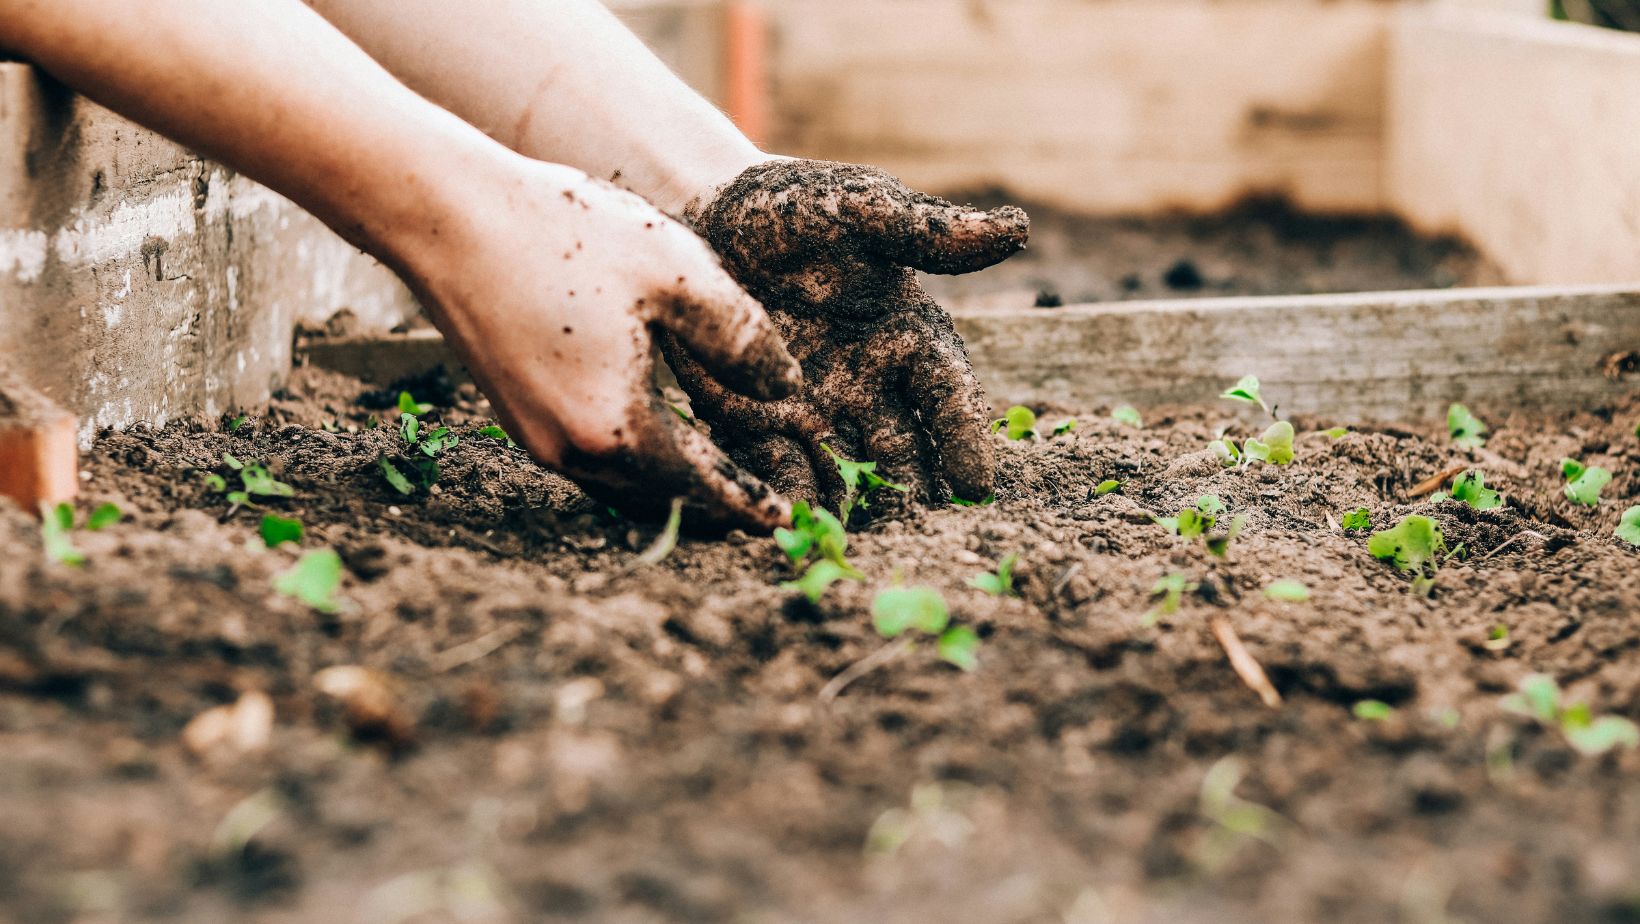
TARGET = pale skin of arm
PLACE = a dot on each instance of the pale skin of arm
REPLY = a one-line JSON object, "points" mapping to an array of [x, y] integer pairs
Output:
{"points": [[547, 282]]}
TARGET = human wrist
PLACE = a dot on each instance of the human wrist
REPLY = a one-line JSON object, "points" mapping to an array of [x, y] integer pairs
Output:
{"points": [[695, 184]]}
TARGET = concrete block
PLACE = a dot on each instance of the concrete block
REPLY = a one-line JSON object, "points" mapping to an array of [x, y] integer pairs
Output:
{"points": [[139, 283]]}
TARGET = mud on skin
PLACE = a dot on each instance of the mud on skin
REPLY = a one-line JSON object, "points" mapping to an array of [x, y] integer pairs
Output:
{"points": [[831, 251], [598, 744]]}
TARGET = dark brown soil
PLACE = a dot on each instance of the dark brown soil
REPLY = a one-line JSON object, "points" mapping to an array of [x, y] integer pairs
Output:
{"points": [[581, 740], [1260, 247]]}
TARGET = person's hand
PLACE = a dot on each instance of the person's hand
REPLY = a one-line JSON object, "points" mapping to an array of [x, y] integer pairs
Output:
{"points": [[549, 289], [830, 250]]}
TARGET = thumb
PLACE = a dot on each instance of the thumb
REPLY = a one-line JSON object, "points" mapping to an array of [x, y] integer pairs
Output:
{"points": [[936, 236], [731, 335]]}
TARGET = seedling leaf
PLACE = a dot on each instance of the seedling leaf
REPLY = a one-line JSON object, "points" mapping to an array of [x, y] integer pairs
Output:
{"points": [[819, 577], [314, 580], [394, 477], [1288, 590], [105, 515], [668, 538], [1225, 450], [1000, 583], [1171, 588], [1465, 428], [1470, 487], [216, 482], [1336, 433], [1411, 544], [1127, 414], [1585, 488], [1275, 446], [1372, 710], [1210, 504], [495, 432], [1246, 390], [1064, 426], [55, 526], [408, 405], [1358, 518], [1018, 423], [1571, 468], [897, 609], [233, 463], [959, 645], [1220, 545], [1111, 484], [260, 483], [1628, 529], [277, 529], [860, 479], [1538, 698], [1603, 734], [962, 502]]}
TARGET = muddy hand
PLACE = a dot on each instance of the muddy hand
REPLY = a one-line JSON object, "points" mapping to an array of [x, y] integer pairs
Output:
{"points": [[550, 294], [830, 249]]}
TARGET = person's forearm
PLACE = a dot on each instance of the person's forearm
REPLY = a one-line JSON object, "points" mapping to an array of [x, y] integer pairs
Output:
{"points": [[556, 80], [272, 90]]}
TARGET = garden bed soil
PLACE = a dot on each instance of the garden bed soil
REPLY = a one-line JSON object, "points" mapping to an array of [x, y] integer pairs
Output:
{"points": [[558, 734], [1258, 247]]}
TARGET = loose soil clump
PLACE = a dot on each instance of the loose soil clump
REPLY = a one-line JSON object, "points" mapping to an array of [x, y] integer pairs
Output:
{"points": [[508, 720]]}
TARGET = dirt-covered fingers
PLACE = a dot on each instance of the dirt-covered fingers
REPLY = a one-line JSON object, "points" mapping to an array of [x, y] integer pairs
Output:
{"points": [[783, 464], [926, 232], [664, 458], [714, 319], [893, 441], [941, 385]]}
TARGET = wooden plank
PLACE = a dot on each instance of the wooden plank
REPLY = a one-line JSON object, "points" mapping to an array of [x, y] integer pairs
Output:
{"points": [[39, 457], [1384, 355], [1518, 133]]}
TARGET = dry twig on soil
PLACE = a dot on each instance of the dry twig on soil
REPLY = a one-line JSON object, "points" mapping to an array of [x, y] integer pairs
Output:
{"points": [[1434, 482], [864, 666], [1245, 665]]}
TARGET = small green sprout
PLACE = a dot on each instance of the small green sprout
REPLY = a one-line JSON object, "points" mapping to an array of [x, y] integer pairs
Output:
{"points": [[1106, 487], [1359, 518], [494, 432], [1584, 483], [860, 479], [236, 423], [418, 467], [276, 529], [1539, 698], [897, 610], [255, 481], [1224, 449], [1628, 529], [1127, 414], [813, 531], [666, 541], [1020, 422], [1336, 433], [819, 577], [1171, 588], [1275, 446], [104, 515], [1497, 638], [1412, 545], [999, 584], [1235, 820], [394, 477], [963, 502], [1064, 426], [1220, 544], [1465, 428], [314, 580], [1246, 390], [408, 405], [1373, 710], [1194, 521], [1470, 488], [331, 427], [1287, 590], [56, 525]]}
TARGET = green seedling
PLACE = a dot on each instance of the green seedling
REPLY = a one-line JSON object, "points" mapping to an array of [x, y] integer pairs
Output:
{"points": [[1336, 433], [1247, 391], [1275, 446], [1287, 590], [104, 515], [1235, 820], [1628, 528], [1224, 449], [330, 427], [1471, 489], [1018, 422], [1220, 545], [1106, 487], [1373, 710], [313, 580], [1171, 588], [1000, 583], [276, 529], [418, 466], [962, 502], [683, 415], [814, 531], [819, 577], [1194, 521], [1358, 518], [1415, 544], [236, 423], [56, 525], [898, 610], [1465, 428], [1497, 638], [1127, 414], [254, 479], [1584, 482], [494, 432], [408, 405], [860, 480], [1064, 426], [1539, 698]]}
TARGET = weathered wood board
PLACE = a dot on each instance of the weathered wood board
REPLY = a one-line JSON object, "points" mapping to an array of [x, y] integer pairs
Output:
{"points": [[1385, 355]]}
